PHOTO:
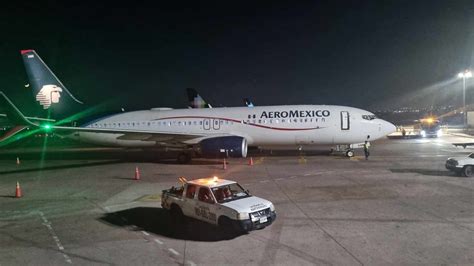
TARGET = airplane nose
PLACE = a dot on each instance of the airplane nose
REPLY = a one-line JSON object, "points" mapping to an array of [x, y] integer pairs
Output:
{"points": [[388, 128]]}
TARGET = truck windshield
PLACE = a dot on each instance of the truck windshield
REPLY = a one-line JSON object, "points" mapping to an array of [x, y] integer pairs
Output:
{"points": [[228, 193], [432, 126]]}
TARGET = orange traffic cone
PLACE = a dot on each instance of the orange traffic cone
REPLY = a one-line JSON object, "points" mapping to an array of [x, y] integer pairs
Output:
{"points": [[224, 166], [137, 174], [251, 161], [18, 191], [17, 160]]}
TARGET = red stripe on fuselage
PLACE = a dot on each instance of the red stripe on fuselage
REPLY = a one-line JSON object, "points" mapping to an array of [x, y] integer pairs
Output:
{"points": [[238, 121]]}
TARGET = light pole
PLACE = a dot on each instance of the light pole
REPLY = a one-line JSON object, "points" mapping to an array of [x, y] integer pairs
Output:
{"points": [[464, 75]]}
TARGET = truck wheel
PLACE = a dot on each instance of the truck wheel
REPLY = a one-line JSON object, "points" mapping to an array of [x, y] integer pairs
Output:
{"points": [[224, 221], [468, 171], [176, 214], [350, 153], [227, 224]]}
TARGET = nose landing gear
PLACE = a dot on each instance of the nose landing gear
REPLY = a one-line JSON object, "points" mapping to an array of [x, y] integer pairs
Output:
{"points": [[350, 153], [345, 149]]}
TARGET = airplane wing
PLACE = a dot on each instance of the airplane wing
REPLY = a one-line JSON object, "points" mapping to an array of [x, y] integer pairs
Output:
{"points": [[161, 138]]}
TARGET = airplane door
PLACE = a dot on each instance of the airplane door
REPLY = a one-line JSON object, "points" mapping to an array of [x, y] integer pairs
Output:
{"points": [[216, 124], [345, 123], [206, 124]]}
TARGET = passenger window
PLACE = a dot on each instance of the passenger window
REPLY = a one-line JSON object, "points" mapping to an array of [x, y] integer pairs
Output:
{"points": [[190, 191], [205, 195]]}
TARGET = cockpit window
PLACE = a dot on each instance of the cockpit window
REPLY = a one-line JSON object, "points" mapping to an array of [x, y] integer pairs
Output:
{"points": [[369, 117]]}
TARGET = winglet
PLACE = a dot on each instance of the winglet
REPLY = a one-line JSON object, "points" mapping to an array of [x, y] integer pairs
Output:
{"points": [[195, 100]]}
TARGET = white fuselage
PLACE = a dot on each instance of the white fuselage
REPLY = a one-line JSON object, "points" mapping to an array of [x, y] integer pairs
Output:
{"points": [[260, 126]]}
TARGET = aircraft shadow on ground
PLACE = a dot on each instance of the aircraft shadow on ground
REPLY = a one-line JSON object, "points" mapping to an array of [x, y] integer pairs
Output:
{"points": [[159, 222], [430, 172]]}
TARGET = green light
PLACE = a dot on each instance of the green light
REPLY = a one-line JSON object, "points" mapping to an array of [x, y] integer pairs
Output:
{"points": [[46, 126]]}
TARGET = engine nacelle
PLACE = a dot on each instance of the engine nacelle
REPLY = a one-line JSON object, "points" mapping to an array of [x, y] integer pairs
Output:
{"points": [[232, 146]]}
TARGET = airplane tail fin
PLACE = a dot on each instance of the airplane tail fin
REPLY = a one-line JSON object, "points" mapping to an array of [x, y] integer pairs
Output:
{"points": [[48, 90], [195, 100]]}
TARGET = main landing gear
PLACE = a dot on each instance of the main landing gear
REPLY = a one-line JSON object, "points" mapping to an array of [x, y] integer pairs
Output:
{"points": [[184, 158]]}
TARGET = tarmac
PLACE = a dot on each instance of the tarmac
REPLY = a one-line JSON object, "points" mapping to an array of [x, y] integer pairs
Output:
{"points": [[82, 206]]}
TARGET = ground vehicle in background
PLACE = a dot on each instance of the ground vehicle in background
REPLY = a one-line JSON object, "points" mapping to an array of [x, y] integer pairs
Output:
{"points": [[219, 202], [430, 128], [461, 165]]}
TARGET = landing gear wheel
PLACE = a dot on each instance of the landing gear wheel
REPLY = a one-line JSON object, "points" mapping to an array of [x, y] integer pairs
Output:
{"points": [[468, 171], [350, 153], [184, 158]]}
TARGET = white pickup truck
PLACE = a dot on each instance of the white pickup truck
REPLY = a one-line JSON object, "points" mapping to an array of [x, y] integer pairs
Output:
{"points": [[219, 202], [461, 165]]}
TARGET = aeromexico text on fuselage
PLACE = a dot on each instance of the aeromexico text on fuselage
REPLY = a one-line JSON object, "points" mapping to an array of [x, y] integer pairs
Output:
{"points": [[294, 114]]}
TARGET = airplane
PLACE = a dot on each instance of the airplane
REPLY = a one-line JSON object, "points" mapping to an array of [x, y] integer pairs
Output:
{"points": [[209, 132]]}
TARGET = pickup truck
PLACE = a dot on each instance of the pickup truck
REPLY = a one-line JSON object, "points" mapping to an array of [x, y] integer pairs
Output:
{"points": [[461, 165], [220, 202]]}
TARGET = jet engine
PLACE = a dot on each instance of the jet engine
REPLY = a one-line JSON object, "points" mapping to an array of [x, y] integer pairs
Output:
{"points": [[232, 146]]}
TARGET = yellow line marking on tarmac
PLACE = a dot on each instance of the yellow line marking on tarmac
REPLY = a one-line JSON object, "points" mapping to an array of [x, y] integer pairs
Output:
{"points": [[302, 160], [259, 160], [152, 197]]}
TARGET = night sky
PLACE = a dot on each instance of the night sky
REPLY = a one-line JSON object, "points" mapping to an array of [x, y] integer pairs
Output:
{"points": [[143, 54]]}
